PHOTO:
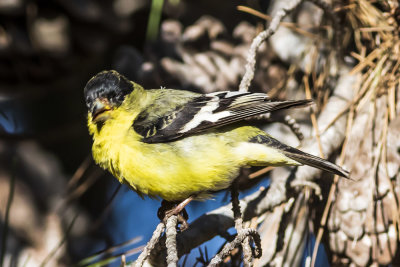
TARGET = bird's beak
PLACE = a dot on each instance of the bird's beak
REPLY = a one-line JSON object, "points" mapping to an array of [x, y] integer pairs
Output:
{"points": [[99, 109]]}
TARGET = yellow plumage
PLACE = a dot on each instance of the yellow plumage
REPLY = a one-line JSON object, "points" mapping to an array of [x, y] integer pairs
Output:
{"points": [[185, 165], [179, 169]]}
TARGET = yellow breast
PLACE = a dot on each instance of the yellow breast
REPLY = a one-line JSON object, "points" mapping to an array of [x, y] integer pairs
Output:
{"points": [[173, 171]]}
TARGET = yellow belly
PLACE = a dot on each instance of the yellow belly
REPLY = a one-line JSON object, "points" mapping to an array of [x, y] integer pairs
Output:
{"points": [[173, 171], [194, 165]]}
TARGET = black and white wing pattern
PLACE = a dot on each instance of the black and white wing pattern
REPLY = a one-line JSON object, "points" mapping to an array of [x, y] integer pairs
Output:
{"points": [[203, 112]]}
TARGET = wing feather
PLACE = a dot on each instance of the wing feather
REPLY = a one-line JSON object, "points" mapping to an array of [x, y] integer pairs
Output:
{"points": [[199, 113]]}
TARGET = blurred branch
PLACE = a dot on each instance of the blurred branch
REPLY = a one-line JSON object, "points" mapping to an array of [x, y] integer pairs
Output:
{"points": [[61, 242], [79, 172], [8, 208], [154, 19], [97, 258], [106, 210]]}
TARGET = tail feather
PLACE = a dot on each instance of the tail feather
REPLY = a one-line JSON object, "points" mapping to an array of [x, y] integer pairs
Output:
{"points": [[300, 156], [316, 162]]}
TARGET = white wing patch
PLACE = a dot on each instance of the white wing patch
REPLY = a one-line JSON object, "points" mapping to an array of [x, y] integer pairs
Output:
{"points": [[205, 114]]}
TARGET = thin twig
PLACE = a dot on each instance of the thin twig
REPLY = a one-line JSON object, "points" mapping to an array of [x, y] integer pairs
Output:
{"points": [[81, 189], [237, 215], [289, 25], [295, 231], [258, 40], [79, 172], [101, 255], [106, 209], [260, 172], [242, 237], [170, 243], [294, 127], [313, 117], [308, 184], [150, 245], [235, 243]]}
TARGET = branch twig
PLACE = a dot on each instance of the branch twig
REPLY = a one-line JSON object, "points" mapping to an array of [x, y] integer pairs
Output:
{"points": [[218, 221], [150, 245], [170, 243], [245, 233], [258, 40], [237, 215]]}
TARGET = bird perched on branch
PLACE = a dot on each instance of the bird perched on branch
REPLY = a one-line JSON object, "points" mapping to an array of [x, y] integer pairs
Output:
{"points": [[177, 144]]}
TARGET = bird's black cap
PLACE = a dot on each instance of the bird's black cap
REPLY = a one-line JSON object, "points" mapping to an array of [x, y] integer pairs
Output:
{"points": [[107, 84]]}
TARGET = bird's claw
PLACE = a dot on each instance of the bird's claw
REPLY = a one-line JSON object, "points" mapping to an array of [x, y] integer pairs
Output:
{"points": [[169, 209]]}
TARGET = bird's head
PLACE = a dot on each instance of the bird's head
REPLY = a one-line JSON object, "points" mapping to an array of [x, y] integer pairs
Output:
{"points": [[105, 92]]}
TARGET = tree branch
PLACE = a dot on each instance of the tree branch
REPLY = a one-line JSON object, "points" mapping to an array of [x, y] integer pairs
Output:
{"points": [[259, 39]]}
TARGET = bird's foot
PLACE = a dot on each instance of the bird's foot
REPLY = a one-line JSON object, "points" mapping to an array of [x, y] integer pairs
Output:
{"points": [[169, 209]]}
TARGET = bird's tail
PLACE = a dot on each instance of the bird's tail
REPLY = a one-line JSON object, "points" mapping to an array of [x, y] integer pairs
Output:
{"points": [[316, 162], [300, 156]]}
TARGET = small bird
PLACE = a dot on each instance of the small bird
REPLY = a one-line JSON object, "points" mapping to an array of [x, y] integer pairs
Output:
{"points": [[177, 144]]}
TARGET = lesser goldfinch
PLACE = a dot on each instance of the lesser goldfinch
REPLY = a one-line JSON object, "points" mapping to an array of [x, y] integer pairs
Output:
{"points": [[176, 144]]}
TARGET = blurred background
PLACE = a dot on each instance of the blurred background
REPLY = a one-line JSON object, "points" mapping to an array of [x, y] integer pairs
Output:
{"points": [[58, 208]]}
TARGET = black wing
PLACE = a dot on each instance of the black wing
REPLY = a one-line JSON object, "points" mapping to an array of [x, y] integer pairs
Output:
{"points": [[203, 112]]}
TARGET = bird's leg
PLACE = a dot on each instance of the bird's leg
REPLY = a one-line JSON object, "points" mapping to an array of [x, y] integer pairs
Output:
{"points": [[168, 209]]}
